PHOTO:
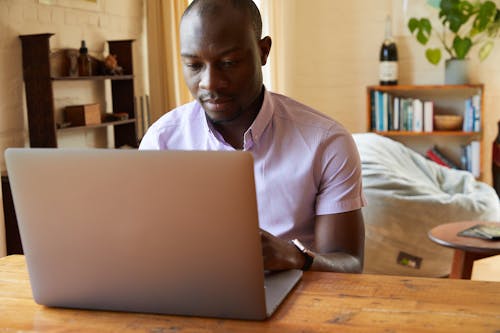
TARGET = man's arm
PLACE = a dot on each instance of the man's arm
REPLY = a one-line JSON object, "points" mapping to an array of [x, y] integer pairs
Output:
{"points": [[340, 240]]}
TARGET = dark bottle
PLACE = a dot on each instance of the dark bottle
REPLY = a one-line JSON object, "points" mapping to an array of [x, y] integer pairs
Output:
{"points": [[495, 162], [84, 66], [388, 67]]}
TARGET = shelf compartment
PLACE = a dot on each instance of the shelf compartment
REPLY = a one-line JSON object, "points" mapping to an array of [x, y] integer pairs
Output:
{"points": [[105, 124], [92, 78], [434, 133]]}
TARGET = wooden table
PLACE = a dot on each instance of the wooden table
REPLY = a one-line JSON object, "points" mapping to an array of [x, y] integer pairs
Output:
{"points": [[321, 302], [467, 249]]}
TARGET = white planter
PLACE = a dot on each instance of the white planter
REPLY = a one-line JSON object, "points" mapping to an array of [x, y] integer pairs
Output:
{"points": [[456, 71]]}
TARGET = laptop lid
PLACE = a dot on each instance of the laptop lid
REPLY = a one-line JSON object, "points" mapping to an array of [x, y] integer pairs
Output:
{"points": [[172, 232]]}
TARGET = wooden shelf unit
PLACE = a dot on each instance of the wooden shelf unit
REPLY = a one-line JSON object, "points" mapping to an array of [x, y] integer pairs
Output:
{"points": [[42, 129], [40, 92], [447, 99]]}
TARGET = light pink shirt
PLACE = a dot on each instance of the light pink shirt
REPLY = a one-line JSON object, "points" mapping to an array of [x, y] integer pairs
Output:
{"points": [[306, 164]]}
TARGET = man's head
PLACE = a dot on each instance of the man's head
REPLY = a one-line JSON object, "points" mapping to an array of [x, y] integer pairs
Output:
{"points": [[222, 54]]}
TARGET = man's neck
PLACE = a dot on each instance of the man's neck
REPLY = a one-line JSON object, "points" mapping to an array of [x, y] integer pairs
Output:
{"points": [[233, 131]]}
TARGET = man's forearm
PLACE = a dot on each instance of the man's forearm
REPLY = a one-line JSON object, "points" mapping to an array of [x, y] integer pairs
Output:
{"points": [[337, 262]]}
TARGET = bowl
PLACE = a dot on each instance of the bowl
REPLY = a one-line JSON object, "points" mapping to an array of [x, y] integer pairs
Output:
{"points": [[447, 122]]}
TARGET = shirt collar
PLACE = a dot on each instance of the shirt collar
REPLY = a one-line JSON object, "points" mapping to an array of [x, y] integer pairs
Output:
{"points": [[262, 120]]}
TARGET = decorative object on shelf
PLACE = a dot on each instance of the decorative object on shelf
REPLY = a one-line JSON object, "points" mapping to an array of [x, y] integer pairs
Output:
{"points": [[448, 122], [84, 63], [388, 67], [495, 162], [72, 57], [111, 66], [81, 115], [464, 25], [108, 117]]}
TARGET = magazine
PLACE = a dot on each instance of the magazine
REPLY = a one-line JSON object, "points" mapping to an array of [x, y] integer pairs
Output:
{"points": [[483, 231]]}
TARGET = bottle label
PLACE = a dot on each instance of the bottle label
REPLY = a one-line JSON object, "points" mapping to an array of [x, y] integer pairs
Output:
{"points": [[388, 71]]}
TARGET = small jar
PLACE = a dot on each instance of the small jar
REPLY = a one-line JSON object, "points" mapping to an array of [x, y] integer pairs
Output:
{"points": [[84, 65]]}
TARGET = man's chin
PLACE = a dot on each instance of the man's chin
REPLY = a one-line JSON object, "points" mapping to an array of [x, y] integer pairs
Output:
{"points": [[221, 117]]}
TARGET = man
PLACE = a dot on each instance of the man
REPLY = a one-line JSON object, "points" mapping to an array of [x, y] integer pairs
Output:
{"points": [[307, 168]]}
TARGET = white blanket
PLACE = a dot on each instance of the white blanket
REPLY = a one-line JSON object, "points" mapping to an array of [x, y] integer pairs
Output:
{"points": [[407, 196]]}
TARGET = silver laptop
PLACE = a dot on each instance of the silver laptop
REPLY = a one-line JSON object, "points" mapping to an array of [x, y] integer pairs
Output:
{"points": [[171, 232]]}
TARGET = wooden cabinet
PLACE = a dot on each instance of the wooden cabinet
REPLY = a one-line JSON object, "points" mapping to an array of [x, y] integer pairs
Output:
{"points": [[39, 79], [446, 100]]}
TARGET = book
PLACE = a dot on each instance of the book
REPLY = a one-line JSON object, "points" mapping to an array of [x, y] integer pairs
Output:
{"points": [[476, 107], [385, 112], [418, 115], [483, 231], [428, 116], [468, 122], [475, 158], [433, 157], [396, 113], [373, 111], [439, 157]]}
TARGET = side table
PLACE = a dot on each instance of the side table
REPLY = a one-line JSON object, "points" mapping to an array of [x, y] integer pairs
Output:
{"points": [[467, 249]]}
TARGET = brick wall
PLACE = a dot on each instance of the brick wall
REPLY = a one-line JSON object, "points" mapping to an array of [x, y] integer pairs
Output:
{"points": [[70, 21]]}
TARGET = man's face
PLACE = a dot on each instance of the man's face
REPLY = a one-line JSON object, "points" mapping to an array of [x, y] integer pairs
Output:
{"points": [[222, 61]]}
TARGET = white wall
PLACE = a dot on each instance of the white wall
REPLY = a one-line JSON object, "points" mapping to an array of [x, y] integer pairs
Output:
{"points": [[332, 50]]}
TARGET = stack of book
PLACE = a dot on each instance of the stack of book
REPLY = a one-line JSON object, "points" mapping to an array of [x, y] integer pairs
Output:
{"points": [[469, 160], [472, 114], [434, 154], [397, 113]]}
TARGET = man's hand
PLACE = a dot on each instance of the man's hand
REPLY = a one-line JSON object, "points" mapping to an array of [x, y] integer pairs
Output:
{"points": [[340, 240], [279, 254]]}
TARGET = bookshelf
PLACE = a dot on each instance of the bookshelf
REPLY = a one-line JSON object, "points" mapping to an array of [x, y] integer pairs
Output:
{"points": [[463, 145], [44, 71], [42, 67]]}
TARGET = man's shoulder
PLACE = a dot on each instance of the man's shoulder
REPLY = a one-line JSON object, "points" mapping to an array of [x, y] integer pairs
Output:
{"points": [[289, 109], [182, 113]]}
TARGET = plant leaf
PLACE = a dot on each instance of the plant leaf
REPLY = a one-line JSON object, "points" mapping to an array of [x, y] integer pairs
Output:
{"points": [[455, 13], [485, 50], [462, 46], [494, 28], [433, 56], [422, 27], [485, 16], [413, 24]]}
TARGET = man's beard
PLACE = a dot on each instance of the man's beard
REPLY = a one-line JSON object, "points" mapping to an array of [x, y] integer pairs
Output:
{"points": [[235, 116]]}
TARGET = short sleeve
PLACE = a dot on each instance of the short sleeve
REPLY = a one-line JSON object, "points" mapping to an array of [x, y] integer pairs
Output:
{"points": [[340, 188]]}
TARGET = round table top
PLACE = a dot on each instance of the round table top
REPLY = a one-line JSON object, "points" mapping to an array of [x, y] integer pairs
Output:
{"points": [[446, 235]]}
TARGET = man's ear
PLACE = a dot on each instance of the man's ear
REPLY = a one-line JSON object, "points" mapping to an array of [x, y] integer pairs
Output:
{"points": [[264, 47]]}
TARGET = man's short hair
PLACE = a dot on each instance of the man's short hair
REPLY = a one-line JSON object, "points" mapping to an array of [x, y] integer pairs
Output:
{"points": [[212, 7]]}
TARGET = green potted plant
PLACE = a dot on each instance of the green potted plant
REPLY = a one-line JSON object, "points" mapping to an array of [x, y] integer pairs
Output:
{"points": [[465, 25]]}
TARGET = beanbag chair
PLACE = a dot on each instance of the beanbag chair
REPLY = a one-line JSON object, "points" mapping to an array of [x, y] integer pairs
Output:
{"points": [[407, 196]]}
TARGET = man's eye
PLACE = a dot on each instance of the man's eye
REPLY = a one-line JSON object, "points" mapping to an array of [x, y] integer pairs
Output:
{"points": [[193, 66], [228, 63]]}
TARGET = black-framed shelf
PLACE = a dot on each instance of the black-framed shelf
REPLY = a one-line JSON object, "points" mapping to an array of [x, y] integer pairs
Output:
{"points": [[38, 78]]}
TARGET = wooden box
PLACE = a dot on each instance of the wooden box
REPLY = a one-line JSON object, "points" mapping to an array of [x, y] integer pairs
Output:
{"points": [[81, 115]]}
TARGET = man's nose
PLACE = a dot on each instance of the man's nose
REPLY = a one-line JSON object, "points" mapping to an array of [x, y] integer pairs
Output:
{"points": [[212, 79]]}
